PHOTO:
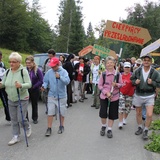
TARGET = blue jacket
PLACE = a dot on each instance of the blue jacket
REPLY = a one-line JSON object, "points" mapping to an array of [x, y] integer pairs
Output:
{"points": [[56, 86]]}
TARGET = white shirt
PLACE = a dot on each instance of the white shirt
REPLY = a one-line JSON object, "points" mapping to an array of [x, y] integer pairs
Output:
{"points": [[95, 74]]}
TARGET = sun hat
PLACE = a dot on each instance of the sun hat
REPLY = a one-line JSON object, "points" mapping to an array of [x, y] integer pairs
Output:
{"points": [[127, 64], [138, 61], [54, 61]]}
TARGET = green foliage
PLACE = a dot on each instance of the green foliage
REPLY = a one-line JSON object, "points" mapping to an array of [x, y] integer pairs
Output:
{"points": [[154, 144], [146, 16], [22, 28], [155, 125], [157, 105], [6, 53]]}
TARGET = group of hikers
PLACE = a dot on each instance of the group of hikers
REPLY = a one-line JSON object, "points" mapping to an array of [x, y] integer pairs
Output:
{"points": [[64, 81]]}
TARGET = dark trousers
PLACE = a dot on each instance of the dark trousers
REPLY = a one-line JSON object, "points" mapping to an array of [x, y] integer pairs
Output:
{"points": [[34, 97], [69, 93], [4, 98]]}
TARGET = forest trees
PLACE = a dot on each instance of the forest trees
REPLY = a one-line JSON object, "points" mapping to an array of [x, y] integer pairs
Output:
{"points": [[22, 28], [70, 31]]}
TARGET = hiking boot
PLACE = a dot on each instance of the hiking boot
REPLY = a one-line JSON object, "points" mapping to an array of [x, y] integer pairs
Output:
{"points": [[48, 132], [61, 130], [109, 134], [102, 131], [139, 131], [14, 140], [93, 105], [29, 131], [145, 135]]}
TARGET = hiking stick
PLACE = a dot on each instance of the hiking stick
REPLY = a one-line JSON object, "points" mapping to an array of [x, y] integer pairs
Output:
{"points": [[19, 100], [59, 107], [117, 64]]}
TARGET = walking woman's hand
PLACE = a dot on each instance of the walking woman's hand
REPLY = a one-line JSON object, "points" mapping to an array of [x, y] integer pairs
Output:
{"points": [[18, 85]]}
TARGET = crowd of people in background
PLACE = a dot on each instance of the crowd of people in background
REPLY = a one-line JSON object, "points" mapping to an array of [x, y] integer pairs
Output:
{"points": [[65, 81]]}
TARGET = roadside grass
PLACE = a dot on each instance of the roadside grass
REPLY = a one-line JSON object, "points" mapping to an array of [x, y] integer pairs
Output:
{"points": [[5, 59], [153, 144]]}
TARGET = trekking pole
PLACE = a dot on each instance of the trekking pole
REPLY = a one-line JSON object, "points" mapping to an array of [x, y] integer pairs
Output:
{"points": [[59, 107], [5, 103], [19, 100], [115, 75]]}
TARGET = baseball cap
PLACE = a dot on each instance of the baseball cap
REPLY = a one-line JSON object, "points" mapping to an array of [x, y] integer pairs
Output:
{"points": [[147, 56], [127, 64], [54, 61]]}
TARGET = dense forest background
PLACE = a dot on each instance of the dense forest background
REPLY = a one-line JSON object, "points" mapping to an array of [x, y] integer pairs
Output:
{"points": [[23, 29]]}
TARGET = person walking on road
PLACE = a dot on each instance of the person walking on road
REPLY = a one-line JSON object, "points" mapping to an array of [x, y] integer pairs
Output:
{"points": [[68, 66], [96, 70], [109, 102], [17, 77], [81, 71], [36, 77], [126, 93], [57, 78], [146, 79], [3, 94]]}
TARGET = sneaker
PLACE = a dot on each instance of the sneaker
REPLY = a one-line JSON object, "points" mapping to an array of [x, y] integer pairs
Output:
{"points": [[93, 105], [97, 107], [124, 121], [35, 122], [8, 123], [139, 131], [109, 134], [14, 140], [48, 132], [81, 100], [61, 130], [29, 131], [120, 125], [85, 98], [102, 131], [145, 135]]}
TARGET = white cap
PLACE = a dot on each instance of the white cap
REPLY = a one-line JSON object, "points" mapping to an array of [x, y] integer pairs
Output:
{"points": [[127, 64]]}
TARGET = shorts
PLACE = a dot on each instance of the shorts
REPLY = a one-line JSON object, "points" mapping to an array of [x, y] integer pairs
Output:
{"points": [[138, 101], [53, 106], [125, 103], [113, 109]]}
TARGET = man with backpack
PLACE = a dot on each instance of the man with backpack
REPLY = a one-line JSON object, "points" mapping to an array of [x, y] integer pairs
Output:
{"points": [[146, 79]]}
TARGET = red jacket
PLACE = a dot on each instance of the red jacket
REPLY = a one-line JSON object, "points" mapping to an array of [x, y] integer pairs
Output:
{"points": [[128, 88]]}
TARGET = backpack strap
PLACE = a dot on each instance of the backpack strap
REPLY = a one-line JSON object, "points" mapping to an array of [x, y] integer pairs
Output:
{"points": [[151, 72], [104, 77], [7, 72]]}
